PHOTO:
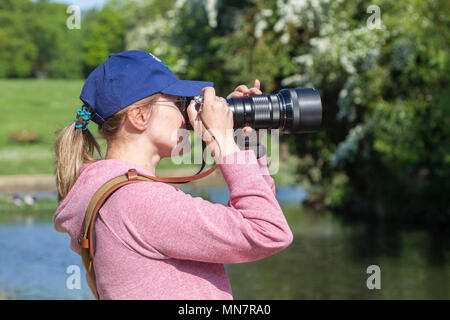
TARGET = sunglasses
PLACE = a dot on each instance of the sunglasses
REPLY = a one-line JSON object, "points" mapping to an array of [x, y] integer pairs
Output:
{"points": [[181, 103]]}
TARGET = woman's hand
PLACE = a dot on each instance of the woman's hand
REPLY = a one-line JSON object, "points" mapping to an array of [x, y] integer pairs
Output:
{"points": [[214, 119], [243, 91]]}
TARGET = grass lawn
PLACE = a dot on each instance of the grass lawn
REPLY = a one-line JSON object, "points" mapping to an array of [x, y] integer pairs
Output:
{"points": [[41, 106], [45, 106]]}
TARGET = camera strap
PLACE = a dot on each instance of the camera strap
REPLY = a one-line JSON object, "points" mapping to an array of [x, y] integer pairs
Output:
{"points": [[197, 176], [87, 239]]}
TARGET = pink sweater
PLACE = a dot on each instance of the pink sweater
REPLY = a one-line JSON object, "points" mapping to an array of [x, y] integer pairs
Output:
{"points": [[153, 241]]}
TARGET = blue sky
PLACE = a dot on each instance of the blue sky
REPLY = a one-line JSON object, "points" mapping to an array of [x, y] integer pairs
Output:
{"points": [[84, 4]]}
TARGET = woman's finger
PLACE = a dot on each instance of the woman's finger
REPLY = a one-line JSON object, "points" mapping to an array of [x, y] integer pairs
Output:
{"points": [[192, 113], [236, 94], [257, 84], [194, 119], [197, 123], [255, 91], [209, 95], [243, 91], [247, 130], [242, 88]]}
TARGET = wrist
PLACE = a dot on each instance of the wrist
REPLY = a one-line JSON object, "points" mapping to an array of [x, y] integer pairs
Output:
{"points": [[224, 147]]}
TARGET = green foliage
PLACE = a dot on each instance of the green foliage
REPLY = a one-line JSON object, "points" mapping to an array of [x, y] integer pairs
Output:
{"points": [[387, 91], [17, 50], [384, 147], [41, 209], [339, 191], [104, 33], [35, 41]]}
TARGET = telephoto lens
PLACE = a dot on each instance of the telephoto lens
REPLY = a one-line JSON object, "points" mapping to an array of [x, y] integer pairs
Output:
{"points": [[293, 110]]}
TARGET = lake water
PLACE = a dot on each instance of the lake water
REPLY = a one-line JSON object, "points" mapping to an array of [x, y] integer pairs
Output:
{"points": [[328, 259]]}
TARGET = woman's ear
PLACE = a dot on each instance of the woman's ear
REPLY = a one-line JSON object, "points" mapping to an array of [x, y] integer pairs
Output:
{"points": [[138, 117]]}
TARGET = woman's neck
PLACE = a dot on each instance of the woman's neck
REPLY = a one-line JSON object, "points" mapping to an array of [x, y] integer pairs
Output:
{"points": [[143, 157]]}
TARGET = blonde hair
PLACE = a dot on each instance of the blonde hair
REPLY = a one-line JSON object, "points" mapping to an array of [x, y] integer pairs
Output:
{"points": [[74, 147]]}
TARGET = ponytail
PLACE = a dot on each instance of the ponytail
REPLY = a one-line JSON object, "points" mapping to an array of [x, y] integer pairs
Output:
{"points": [[73, 147]]}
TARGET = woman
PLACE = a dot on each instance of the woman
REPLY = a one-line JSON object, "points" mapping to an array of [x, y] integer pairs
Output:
{"points": [[153, 241]]}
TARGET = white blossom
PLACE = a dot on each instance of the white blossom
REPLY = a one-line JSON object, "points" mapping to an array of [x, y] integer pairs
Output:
{"points": [[266, 13], [293, 80], [347, 148], [179, 4], [211, 9], [305, 60], [260, 26], [279, 25], [285, 38]]}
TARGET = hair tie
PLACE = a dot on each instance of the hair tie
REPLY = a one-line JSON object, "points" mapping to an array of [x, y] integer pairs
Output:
{"points": [[83, 118]]}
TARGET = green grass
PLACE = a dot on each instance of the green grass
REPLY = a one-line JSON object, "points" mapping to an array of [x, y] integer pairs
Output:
{"points": [[41, 210], [42, 106]]}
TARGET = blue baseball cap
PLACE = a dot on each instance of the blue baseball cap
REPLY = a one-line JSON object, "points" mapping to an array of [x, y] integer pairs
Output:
{"points": [[130, 76]]}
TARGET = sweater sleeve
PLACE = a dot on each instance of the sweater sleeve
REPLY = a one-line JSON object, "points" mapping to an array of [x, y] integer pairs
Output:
{"points": [[264, 169], [177, 225], [263, 163]]}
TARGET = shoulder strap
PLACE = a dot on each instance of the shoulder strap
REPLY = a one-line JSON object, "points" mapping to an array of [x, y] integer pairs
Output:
{"points": [[99, 198], [97, 201], [103, 193]]}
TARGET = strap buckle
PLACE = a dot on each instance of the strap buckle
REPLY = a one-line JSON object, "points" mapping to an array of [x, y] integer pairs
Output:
{"points": [[132, 174], [84, 243]]}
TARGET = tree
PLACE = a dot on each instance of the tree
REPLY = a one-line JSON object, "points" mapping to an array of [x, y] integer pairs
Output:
{"points": [[18, 53], [34, 41], [386, 95], [104, 34], [383, 150]]}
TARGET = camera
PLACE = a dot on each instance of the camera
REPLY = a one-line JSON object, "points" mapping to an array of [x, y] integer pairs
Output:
{"points": [[292, 110]]}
